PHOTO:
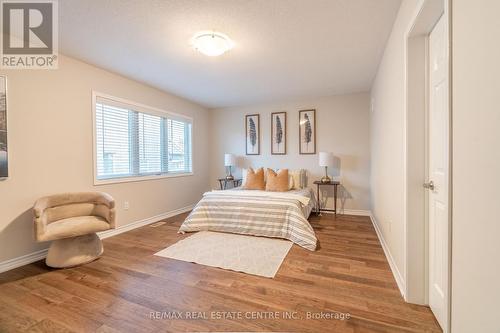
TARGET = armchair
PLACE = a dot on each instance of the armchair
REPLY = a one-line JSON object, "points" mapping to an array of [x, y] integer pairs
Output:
{"points": [[71, 221]]}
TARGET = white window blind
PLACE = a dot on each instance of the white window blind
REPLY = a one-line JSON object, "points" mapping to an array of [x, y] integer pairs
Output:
{"points": [[132, 142], [179, 145]]}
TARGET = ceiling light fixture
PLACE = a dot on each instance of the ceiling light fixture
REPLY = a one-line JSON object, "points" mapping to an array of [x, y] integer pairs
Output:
{"points": [[212, 43]]}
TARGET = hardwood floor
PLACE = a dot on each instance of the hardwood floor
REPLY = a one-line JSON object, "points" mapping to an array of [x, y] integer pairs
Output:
{"points": [[130, 290]]}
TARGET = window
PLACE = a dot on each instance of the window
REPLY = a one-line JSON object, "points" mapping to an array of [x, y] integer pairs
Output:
{"points": [[132, 140]]}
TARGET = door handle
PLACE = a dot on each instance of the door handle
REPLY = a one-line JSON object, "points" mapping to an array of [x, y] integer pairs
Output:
{"points": [[429, 185]]}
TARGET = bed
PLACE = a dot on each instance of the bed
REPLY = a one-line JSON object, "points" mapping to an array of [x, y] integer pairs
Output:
{"points": [[257, 213]]}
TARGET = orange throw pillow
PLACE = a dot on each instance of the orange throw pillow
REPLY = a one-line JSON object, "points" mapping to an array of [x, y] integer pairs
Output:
{"points": [[255, 179], [277, 182]]}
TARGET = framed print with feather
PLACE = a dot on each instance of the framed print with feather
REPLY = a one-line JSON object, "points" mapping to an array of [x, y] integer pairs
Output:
{"points": [[252, 128], [307, 132], [4, 163], [278, 133]]}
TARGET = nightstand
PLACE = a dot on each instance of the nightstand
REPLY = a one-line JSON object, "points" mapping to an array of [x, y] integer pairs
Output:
{"points": [[335, 185], [223, 182]]}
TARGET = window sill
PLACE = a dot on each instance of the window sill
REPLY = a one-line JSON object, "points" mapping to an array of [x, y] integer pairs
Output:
{"points": [[109, 181]]}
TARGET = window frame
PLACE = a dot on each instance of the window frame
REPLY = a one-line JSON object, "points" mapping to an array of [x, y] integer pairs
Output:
{"points": [[142, 108]]}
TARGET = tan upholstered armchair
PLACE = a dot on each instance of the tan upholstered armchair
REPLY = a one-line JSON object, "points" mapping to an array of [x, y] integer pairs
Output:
{"points": [[71, 221]]}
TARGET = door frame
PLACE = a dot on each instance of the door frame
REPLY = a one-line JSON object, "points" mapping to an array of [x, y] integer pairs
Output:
{"points": [[416, 242]]}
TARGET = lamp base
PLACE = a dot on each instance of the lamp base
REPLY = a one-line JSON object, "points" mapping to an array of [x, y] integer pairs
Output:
{"points": [[326, 180], [229, 174]]}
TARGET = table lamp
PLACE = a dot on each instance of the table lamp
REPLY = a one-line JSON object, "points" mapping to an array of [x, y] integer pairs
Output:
{"points": [[326, 160], [229, 161]]}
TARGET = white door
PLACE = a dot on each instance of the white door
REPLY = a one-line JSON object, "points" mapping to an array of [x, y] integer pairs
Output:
{"points": [[439, 173]]}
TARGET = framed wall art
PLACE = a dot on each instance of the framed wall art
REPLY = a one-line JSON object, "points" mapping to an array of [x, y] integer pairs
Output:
{"points": [[4, 163], [252, 129], [307, 131], [278, 133]]}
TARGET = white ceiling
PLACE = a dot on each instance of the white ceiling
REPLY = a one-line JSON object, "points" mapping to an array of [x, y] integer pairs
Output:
{"points": [[285, 49]]}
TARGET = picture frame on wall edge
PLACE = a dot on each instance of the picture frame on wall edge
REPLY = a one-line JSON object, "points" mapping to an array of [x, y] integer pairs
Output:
{"points": [[307, 132], [4, 156]]}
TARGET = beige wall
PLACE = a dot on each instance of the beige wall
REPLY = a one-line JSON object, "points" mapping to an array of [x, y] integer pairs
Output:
{"points": [[342, 128], [387, 139], [476, 166], [50, 148]]}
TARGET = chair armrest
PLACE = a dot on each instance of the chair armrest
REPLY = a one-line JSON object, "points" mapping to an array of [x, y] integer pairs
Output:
{"points": [[40, 224], [40, 206], [112, 218], [105, 199], [39, 220]]}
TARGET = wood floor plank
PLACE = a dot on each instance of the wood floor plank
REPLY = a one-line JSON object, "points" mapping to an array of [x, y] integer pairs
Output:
{"points": [[130, 290]]}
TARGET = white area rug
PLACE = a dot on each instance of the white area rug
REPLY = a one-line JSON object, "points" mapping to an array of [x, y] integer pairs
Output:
{"points": [[249, 254]]}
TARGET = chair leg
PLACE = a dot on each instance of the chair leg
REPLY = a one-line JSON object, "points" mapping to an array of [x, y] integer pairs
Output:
{"points": [[69, 252]]}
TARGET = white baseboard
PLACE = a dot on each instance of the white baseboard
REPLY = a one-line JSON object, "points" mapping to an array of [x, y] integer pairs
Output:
{"points": [[41, 254], [395, 271], [141, 223], [22, 260], [357, 212]]}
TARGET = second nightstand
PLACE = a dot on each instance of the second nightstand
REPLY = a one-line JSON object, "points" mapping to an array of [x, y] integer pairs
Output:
{"points": [[335, 185]]}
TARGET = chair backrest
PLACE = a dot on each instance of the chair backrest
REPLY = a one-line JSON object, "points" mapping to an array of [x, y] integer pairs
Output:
{"points": [[62, 206]]}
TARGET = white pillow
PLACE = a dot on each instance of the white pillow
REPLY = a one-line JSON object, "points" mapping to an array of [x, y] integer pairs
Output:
{"points": [[243, 177], [298, 178], [291, 182]]}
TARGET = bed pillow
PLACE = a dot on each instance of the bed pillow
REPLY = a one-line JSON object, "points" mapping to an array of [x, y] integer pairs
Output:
{"points": [[254, 179], [291, 183], [277, 182], [297, 176], [243, 177]]}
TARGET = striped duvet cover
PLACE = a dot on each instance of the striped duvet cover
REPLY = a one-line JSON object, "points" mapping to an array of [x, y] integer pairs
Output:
{"points": [[258, 213]]}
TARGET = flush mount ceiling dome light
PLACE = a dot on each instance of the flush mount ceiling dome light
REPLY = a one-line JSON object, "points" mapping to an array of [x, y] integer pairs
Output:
{"points": [[212, 43]]}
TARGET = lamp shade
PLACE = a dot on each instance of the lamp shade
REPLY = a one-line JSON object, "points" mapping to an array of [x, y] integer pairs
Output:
{"points": [[229, 160], [326, 159]]}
